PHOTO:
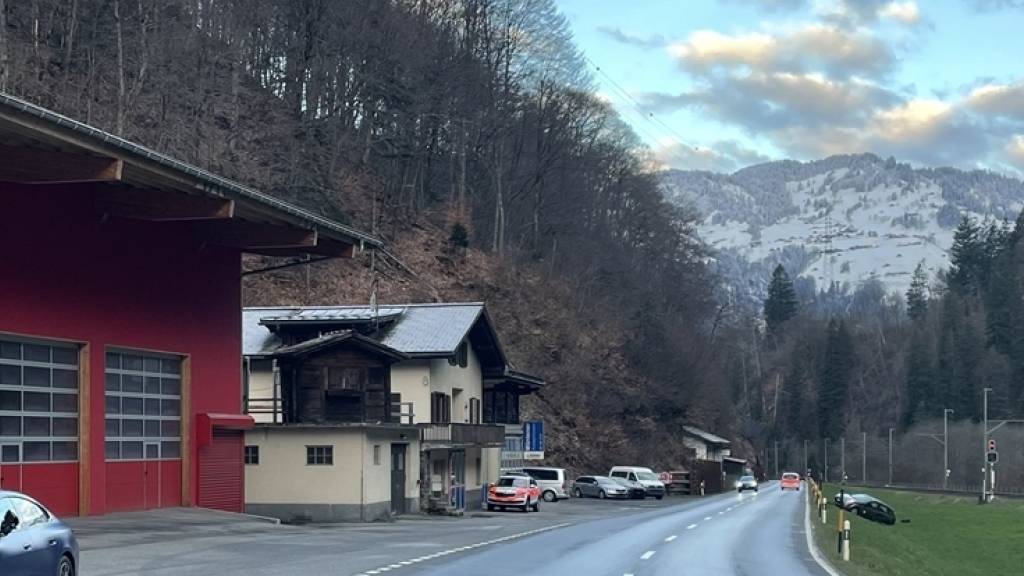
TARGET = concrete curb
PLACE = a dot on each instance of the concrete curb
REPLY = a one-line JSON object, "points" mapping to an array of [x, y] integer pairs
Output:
{"points": [[811, 546], [257, 517]]}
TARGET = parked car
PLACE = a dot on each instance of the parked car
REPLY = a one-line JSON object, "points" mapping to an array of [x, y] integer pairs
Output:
{"points": [[598, 487], [746, 483], [790, 481], [34, 542], [636, 489], [514, 492], [552, 481], [867, 507], [648, 479]]}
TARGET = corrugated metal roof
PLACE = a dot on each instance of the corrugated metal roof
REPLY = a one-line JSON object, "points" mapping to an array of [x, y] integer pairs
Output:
{"points": [[429, 329], [415, 329], [706, 436]]}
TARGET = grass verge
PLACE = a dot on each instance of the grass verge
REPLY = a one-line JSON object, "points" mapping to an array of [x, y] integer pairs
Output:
{"points": [[947, 535]]}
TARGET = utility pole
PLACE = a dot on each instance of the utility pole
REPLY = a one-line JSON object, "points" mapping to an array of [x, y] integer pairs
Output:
{"points": [[805, 456], [984, 444], [842, 459], [864, 457], [890, 457], [945, 446], [776, 459], [825, 479]]}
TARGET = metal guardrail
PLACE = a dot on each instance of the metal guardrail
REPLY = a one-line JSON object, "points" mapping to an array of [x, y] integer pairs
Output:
{"points": [[456, 434]]}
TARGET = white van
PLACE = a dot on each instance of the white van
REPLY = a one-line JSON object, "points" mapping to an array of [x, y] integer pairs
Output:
{"points": [[648, 479], [552, 482]]}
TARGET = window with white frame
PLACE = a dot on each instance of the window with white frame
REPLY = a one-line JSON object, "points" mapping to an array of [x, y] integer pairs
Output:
{"points": [[38, 401], [143, 406]]}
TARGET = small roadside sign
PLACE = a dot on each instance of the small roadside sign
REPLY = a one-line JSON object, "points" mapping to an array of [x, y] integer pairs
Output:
{"points": [[992, 457]]}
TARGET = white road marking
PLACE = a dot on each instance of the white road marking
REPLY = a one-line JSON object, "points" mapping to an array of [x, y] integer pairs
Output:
{"points": [[706, 518], [404, 563], [720, 512], [671, 538], [691, 526], [647, 555]]}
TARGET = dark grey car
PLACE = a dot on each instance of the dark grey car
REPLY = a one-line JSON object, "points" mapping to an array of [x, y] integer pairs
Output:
{"points": [[598, 487], [34, 542]]}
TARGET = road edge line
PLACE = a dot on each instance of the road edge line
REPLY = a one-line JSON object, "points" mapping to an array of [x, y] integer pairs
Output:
{"points": [[811, 546]]}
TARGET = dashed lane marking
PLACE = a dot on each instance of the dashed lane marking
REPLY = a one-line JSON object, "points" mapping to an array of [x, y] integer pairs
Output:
{"points": [[671, 538], [427, 557], [706, 518], [691, 526], [647, 555]]}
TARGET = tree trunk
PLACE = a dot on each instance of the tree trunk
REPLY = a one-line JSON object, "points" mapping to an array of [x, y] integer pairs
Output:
{"points": [[119, 130], [4, 60]]}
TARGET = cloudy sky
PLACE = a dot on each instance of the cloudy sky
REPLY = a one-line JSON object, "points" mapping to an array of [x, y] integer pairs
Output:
{"points": [[721, 84]]}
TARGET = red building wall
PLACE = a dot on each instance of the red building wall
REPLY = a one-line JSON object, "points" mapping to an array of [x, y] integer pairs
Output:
{"points": [[66, 273]]}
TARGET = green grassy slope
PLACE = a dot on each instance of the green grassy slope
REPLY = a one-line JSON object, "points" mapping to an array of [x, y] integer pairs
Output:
{"points": [[947, 535]]}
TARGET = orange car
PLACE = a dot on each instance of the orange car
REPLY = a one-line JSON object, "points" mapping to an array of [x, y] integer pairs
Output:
{"points": [[790, 480], [514, 492]]}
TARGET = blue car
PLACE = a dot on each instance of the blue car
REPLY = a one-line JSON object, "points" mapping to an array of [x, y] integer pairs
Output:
{"points": [[33, 542]]}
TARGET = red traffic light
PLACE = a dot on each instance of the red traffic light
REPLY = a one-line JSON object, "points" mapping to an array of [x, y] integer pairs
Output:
{"points": [[992, 444]]}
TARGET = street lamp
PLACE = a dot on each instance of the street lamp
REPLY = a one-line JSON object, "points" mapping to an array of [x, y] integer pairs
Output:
{"points": [[945, 446]]}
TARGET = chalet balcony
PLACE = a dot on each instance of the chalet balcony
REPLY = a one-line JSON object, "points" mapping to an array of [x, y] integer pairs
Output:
{"points": [[462, 435]]}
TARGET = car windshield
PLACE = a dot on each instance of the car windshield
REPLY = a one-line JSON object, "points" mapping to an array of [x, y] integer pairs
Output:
{"points": [[646, 476], [747, 479], [516, 481], [790, 476]]}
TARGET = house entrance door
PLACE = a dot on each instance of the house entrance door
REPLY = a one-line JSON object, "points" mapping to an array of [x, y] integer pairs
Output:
{"points": [[398, 479]]}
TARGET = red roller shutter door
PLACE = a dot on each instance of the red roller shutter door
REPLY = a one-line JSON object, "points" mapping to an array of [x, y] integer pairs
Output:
{"points": [[221, 471]]}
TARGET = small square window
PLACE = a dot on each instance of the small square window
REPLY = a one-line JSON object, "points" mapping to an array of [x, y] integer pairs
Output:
{"points": [[152, 451], [39, 377], [152, 385], [170, 387], [113, 450], [129, 362], [131, 428], [113, 428], [66, 427], [171, 449], [376, 454], [152, 428], [131, 450], [10, 374], [252, 455], [10, 350], [113, 360], [65, 451], [65, 378], [36, 451], [131, 406], [68, 356], [10, 400], [37, 353], [65, 403], [37, 426], [10, 453], [131, 383], [320, 455], [37, 401], [10, 425], [153, 365], [113, 382], [170, 428], [113, 405]]}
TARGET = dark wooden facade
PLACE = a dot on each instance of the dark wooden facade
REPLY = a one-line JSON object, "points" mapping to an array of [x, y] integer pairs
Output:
{"points": [[340, 384]]}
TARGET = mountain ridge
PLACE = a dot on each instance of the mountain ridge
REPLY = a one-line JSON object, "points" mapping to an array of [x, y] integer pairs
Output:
{"points": [[844, 219]]}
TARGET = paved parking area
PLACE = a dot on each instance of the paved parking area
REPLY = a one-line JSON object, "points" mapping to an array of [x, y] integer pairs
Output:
{"points": [[195, 541]]}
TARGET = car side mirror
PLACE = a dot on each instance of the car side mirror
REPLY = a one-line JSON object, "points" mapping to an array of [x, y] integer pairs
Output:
{"points": [[9, 524]]}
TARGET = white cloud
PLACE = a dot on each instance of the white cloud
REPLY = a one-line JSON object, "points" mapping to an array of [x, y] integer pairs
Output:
{"points": [[903, 12], [722, 156], [1006, 100], [811, 47], [912, 121]]}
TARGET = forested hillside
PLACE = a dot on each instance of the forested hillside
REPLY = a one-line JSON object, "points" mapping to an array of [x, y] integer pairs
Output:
{"points": [[463, 133]]}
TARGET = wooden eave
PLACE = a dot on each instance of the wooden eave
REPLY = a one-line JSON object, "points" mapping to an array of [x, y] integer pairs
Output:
{"points": [[40, 147]]}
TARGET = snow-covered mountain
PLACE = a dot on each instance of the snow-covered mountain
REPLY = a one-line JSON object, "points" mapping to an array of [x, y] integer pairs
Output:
{"points": [[843, 219]]}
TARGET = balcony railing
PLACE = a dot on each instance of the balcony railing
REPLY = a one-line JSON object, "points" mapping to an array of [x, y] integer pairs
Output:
{"points": [[463, 435]]}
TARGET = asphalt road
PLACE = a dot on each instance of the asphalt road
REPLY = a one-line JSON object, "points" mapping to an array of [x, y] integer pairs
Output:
{"points": [[745, 535], [748, 535]]}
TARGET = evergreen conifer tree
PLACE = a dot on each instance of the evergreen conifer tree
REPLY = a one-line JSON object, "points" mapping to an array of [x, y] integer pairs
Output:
{"points": [[781, 304]]}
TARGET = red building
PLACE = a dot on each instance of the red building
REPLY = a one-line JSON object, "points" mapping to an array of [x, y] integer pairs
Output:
{"points": [[120, 316]]}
